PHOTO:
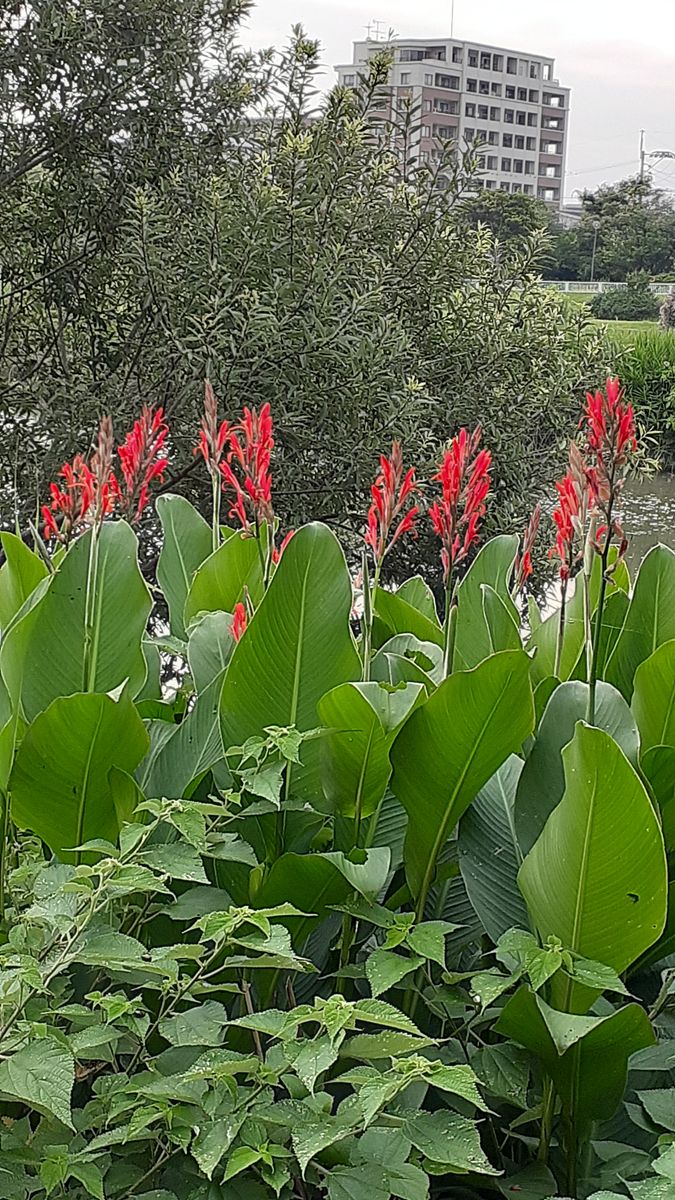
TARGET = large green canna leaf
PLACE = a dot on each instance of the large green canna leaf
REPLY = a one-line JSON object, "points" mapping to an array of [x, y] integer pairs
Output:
{"points": [[489, 855], [405, 659], [450, 747], [187, 542], [544, 635], [542, 782], [53, 630], [418, 593], [493, 566], [180, 755], [20, 574], [362, 720], [396, 613], [210, 646], [298, 646], [653, 702], [597, 877], [223, 578], [501, 621], [61, 781], [650, 620], [587, 1057]]}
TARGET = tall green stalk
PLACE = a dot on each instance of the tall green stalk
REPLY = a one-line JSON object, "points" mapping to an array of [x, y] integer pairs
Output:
{"points": [[90, 605], [215, 528], [449, 627], [561, 629]]}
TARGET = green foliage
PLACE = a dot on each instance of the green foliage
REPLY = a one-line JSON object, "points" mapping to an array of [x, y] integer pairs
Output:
{"points": [[646, 365], [631, 224], [635, 302], [323, 920]]}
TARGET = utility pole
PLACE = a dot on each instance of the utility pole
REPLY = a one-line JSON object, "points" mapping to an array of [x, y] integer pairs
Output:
{"points": [[642, 156], [452, 18]]}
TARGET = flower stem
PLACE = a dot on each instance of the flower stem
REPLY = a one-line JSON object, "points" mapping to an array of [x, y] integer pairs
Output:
{"points": [[597, 637], [561, 630], [90, 646], [449, 627], [546, 1128], [368, 613], [215, 533]]}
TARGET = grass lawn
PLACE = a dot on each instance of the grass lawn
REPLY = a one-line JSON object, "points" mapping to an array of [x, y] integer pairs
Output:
{"points": [[621, 331]]}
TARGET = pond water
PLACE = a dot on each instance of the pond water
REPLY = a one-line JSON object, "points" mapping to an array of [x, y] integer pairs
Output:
{"points": [[648, 516]]}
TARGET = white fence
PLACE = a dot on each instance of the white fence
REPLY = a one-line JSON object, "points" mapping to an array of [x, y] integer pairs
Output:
{"points": [[574, 285]]}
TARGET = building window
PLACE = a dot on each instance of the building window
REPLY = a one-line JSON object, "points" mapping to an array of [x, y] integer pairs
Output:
{"points": [[429, 80], [482, 112], [349, 80], [529, 167], [485, 61], [443, 132], [457, 54], [491, 184], [495, 114], [484, 87], [496, 89], [497, 62], [481, 135], [520, 118], [492, 162], [507, 139], [426, 132], [470, 110], [552, 123], [523, 64], [405, 76], [508, 116], [528, 189], [447, 81], [473, 58], [493, 138], [516, 187], [446, 106], [546, 74], [535, 68], [520, 142], [549, 194], [469, 133], [518, 166], [532, 119], [505, 187], [511, 66], [530, 143], [506, 164], [522, 94], [427, 105], [551, 172], [553, 100], [550, 147], [510, 92], [471, 85], [534, 97]]}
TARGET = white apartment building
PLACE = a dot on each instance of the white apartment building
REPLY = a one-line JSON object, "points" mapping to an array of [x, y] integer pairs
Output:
{"points": [[508, 100]]}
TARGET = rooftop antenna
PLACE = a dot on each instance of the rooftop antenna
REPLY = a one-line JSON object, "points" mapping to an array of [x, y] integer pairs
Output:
{"points": [[376, 31], [452, 18]]}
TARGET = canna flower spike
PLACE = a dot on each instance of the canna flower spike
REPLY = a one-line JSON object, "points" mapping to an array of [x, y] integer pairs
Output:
{"points": [[246, 469], [141, 461], [239, 621], [391, 515], [213, 434], [523, 564], [609, 426], [465, 480]]}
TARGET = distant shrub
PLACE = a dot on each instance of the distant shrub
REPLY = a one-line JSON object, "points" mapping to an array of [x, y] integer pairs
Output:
{"points": [[667, 311], [633, 303]]}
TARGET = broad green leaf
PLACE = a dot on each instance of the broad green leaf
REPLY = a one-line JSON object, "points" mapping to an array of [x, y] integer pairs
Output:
{"points": [[317, 883], [203, 1025], [489, 855], [450, 747], [178, 860], [366, 1181], [183, 753], [501, 621], [493, 566], [42, 1076], [445, 1137], [659, 1103], [20, 574], [395, 614], [416, 591], [187, 542], [210, 646], [60, 783], [597, 878], [534, 1182], [214, 1140], [587, 1057], [653, 701], [384, 970], [371, 1047], [406, 659], [428, 939], [311, 1057], [240, 1160], [650, 620], [297, 647], [503, 1070], [53, 631], [361, 720], [219, 583], [542, 781]]}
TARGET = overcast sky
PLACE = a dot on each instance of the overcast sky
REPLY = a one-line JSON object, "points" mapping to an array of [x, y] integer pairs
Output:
{"points": [[618, 56]]}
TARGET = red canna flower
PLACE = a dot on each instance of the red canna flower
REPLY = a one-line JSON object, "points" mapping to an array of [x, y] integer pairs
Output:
{"points": [[71, 502], [567, 517], [276, 554], [523, 565], [610, 432], [465, 481], [239, 621], [141, 461], [250, 449], [391, 492], [212, 434]]}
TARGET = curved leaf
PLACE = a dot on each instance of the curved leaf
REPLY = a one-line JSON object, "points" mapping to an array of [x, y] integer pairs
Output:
{"points": [[502, 625], [416, 591], [597, 878], [489, 855], [542, 782], [653, 702], [187, 542], [182, 754], [210, 646], [450, 747], [297, 647], [218, 584], [19, 576], [396, 614], [53, 630], [60, 783], [493, 566], [650, 620]]}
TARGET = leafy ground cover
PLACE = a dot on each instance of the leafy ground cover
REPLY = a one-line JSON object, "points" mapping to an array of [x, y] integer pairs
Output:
{"points": [[367, 900]]}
